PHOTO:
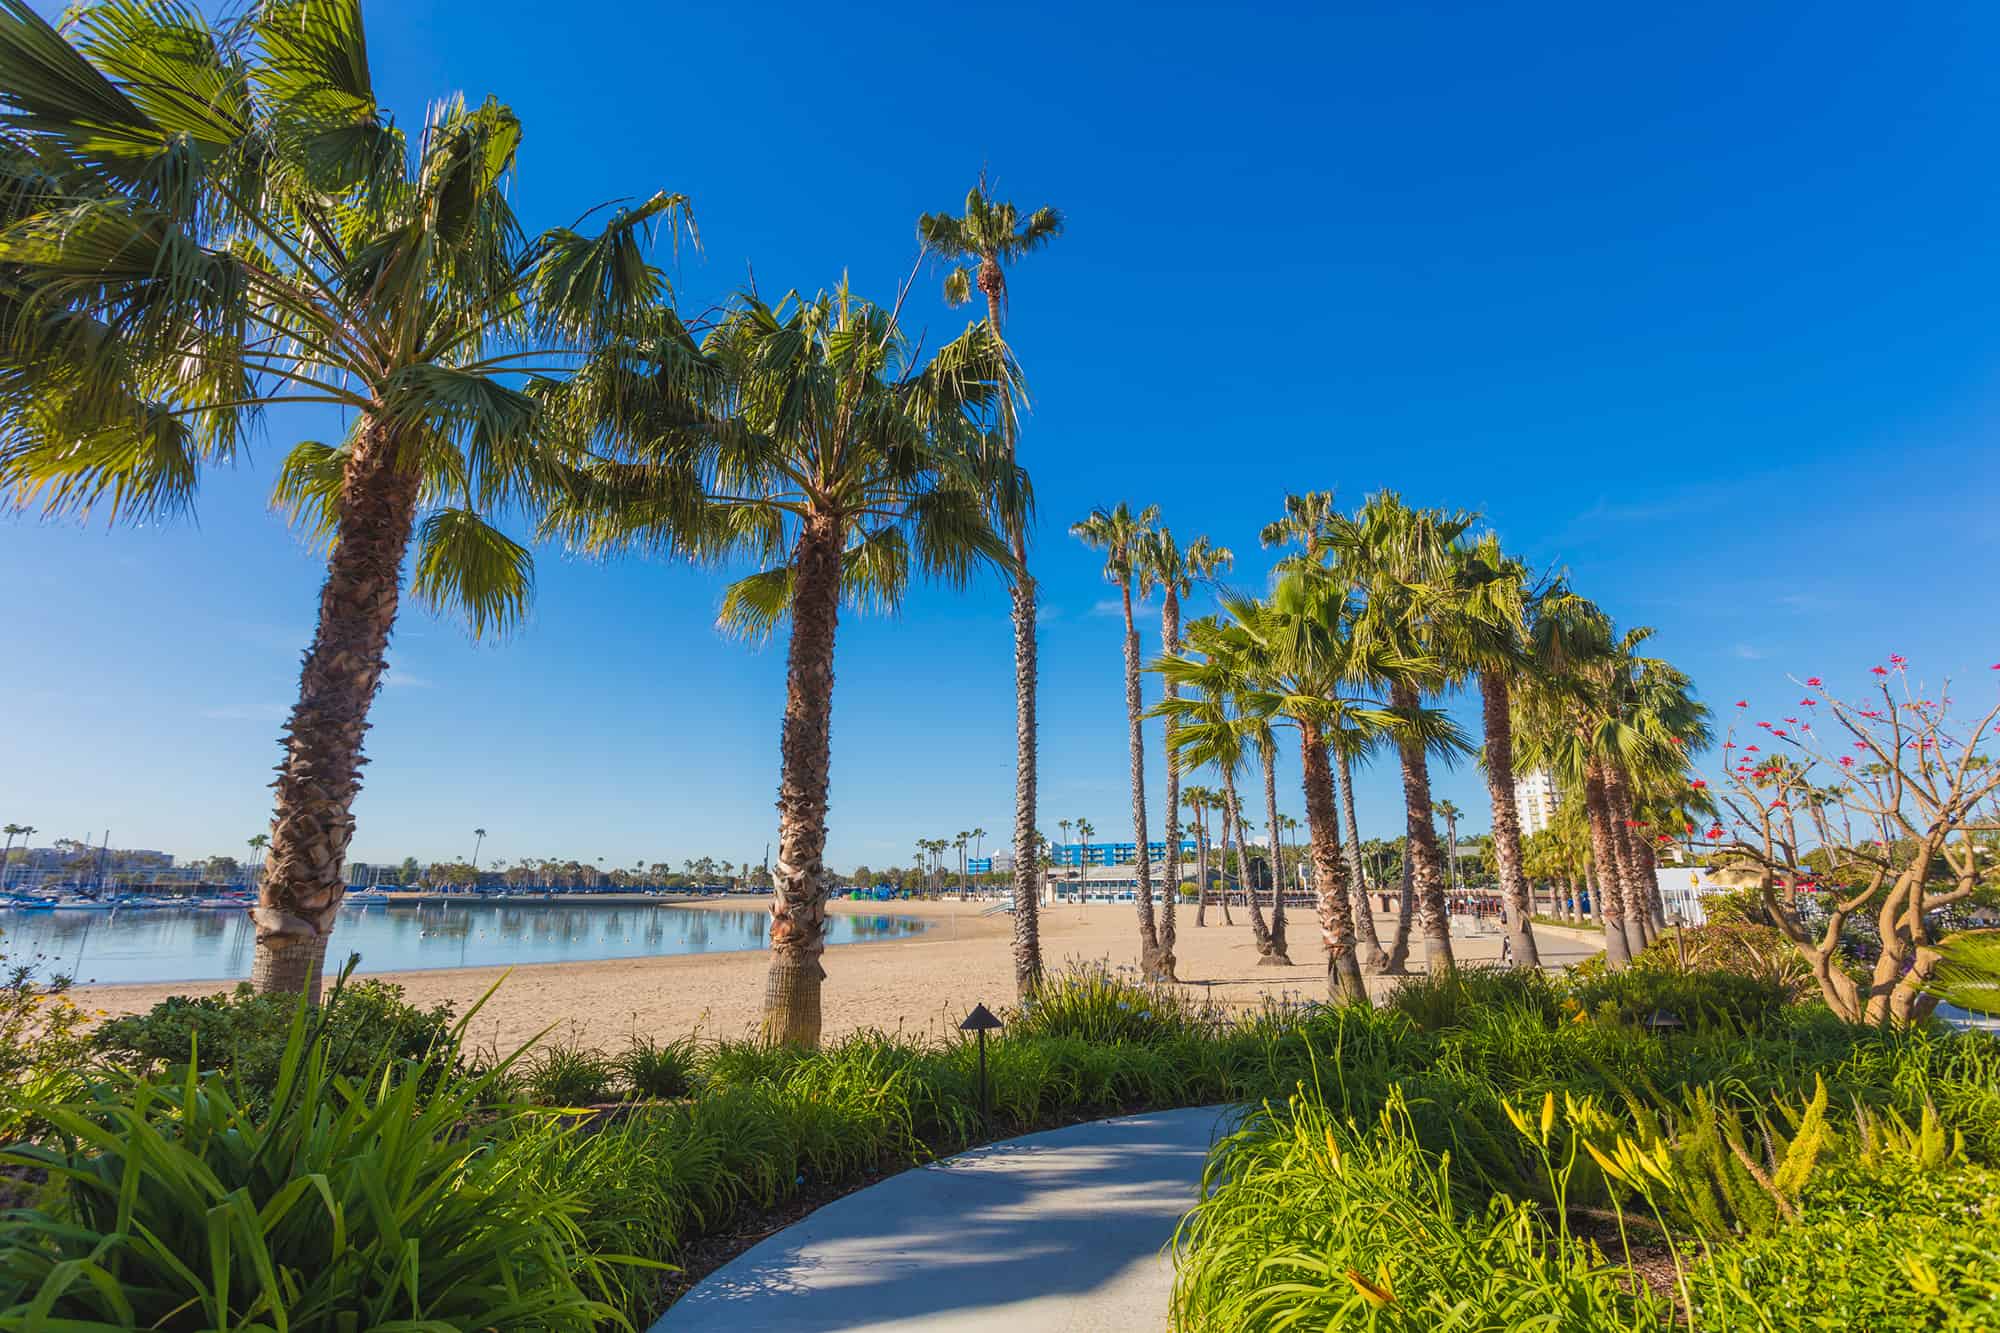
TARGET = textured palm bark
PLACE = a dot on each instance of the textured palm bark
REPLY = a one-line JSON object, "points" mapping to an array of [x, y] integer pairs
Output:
{"points": [[1493, 694], [1330, 884], [1232, 817], [313, 821], [799, 879], [1368, 950], [1426, 861], [1649, 865], [1170, 643], [1279, 955], [1625, 849], [1608, 898], [1406, 895], [1154, 963], [1027, 868]]}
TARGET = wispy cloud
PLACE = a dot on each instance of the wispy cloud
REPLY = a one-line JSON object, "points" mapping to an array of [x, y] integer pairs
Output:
{"points": [[406, 680], [1749, 653], [246, 713], [1110, 606], [1046, 613]]}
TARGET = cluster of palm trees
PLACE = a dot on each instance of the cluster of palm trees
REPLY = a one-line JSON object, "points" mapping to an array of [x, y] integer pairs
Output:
{"points": [[1373, 619], [930, 855]]}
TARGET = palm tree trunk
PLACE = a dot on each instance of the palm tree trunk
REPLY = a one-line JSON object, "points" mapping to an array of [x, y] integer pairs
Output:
{"points": [[1624, 849], [1369, 954], [1278, 956], [1232, 815], [1027, 887], [1170, 642], [1406, 893], [1609, 897], [799, 880], [1200, 870], [313, 822], [1330, 884], [1506, 819], [1154, 963], [1423, 856]]}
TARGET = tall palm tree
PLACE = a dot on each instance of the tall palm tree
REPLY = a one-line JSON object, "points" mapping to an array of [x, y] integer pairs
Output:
{"points": [[983, 241], [811, 438], [1299, 666], [478, 841], [1214, 728], [964, 878], [7, 853], [1195, 800], [1450, 811], [979, 841], [1122, 535], [1084, 829], [1399, 561], [211, 221], [1175, 570], [1496, 633]]}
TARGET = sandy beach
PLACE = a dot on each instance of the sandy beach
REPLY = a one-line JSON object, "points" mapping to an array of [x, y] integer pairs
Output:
{"points": [[929, 982]]}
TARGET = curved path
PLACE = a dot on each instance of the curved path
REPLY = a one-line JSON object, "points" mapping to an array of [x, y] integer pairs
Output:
{"points": [[1062, 1232]]}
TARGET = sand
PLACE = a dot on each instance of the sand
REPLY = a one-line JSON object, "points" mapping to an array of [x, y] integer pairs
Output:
{"points": [[926, 983]]}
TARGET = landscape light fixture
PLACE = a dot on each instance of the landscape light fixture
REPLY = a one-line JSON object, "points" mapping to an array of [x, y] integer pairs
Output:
{"points": [[982, 1021]]}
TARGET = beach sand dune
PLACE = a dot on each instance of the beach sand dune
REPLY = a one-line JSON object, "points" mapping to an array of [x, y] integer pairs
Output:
{"points": [[923, 984]]}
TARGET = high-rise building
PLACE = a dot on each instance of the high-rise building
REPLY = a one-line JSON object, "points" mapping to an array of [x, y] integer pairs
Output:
{"points": [[1535, 801]]}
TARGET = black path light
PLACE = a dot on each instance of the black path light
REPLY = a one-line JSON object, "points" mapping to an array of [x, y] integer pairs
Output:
{"points": [[1664, 1023], [982, 1021]]}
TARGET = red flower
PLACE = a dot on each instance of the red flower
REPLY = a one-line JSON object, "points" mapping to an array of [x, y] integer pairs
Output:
{"points": [[1781, 805], [1847, 761], [1690, 828], [1896, 659], [1813, 681], [1745, 703], [1699, 784], [1880, 671], [1779, 732], [1749, 747], [1765, 725], [1810, 703], [1676, 740]]}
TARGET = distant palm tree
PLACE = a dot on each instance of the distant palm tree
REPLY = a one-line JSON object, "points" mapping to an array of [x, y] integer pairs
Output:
{"points": [[257, 844], [264, 232], [1175, 570], [964, 878], [979, 841], [1121, 535], [22, 831], [478, 838], [990, 235], [1084, 829], [812, 438], [1450, 812]]}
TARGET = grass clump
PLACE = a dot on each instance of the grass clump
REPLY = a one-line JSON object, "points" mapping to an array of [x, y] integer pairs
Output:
{"points": [[656, 1070], [568, 1074]]}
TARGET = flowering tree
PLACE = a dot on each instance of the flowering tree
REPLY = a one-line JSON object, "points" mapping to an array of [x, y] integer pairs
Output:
{"points": [[1877, 812]]}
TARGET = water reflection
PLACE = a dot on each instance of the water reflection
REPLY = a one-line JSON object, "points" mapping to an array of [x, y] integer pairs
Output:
{"points": [[195, 944]]}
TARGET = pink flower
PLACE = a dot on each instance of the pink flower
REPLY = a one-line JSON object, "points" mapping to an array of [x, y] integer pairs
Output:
{"points": [[1897, 659], [1745, 703], [1779, 732], [1729, 745], [1847, 761], [1765, 725], [1814, 680], [1698, 784], [1810, 703], [1749, 747], [1880, 671]]}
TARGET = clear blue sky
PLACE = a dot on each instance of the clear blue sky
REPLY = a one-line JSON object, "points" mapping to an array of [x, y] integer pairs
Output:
{"points": [[1697, 301]]}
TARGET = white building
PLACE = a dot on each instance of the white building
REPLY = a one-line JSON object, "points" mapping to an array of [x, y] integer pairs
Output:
{"points": [[1535, 801]]}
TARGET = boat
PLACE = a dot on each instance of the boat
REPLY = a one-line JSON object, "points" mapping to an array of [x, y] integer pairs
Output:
{"points": [[76, 902], [364, 897]]}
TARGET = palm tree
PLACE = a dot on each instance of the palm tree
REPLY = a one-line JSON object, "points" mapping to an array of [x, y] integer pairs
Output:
{"points": [[1497, 629], [1295, 665], [808, 437], [257, 843], [1451, 812], [964, 878], [12, 831], [989, 236], [1399, 560], [1175, 570], [979, 842], [1196, 800], [1122, 535], [1084, 829], [1312, 522], [478, 840], [1214, 728], [214, 221]]}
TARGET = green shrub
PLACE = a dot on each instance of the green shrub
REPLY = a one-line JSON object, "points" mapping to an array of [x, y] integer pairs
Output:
{"points": [[567, 1074], [339, 1205], [244, 1035], [1095, 1004], [1456, 996], [660, 1070], [1699, 999], [43, 1052], [1892, 1249]]}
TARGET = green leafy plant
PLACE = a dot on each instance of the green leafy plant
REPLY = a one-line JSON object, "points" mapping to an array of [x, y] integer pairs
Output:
{"points": [[660, 1070], [43, 1052], [341, 1204], [567, 1074]]}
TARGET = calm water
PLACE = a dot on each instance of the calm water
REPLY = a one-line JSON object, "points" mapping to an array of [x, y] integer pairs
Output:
{"points": [[173, 944]]}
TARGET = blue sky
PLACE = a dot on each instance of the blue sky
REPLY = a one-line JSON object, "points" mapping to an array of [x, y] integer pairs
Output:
{"points": [[1697, 302]]}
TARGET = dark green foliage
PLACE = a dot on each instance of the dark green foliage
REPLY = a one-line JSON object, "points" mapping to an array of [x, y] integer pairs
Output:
{"points": [[335, 1204], [659, 1070], [244, 1035], [569, 1075], [1699, 999], [1097, 1005]]}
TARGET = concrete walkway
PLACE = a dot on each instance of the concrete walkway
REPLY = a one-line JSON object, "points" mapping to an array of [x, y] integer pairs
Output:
{"points": [[1060, 1232]]}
